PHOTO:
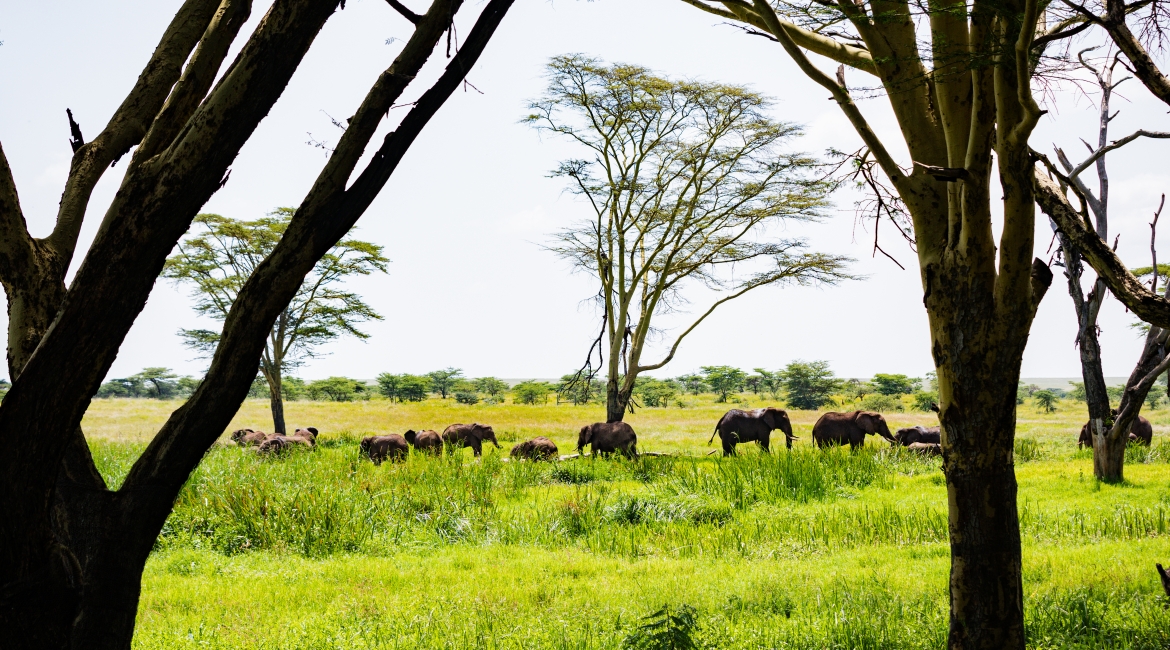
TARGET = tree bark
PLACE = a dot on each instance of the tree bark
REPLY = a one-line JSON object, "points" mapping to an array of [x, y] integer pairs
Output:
{"points": [[617, 400], [276, 398]]}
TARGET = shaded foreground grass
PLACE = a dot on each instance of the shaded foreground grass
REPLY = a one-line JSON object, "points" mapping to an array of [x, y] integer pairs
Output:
{"points": [[802, 549]]}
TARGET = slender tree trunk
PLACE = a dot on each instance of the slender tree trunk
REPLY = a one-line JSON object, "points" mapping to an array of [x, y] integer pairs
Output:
{"points": [[276, 397]]}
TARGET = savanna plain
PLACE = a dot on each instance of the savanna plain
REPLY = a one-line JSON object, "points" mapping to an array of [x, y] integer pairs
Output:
{"points": [[796, 549]]}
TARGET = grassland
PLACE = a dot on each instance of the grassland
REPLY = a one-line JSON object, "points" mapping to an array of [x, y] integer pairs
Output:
{"points": [[802, 549]]}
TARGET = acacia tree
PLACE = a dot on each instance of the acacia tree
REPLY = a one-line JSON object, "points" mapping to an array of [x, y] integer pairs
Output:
{"points": [[71, 549], [220, 259], [959, 89], [683, 179]]}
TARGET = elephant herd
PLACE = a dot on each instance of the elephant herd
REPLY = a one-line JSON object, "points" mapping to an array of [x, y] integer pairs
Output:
{"points": [[735, 427]]}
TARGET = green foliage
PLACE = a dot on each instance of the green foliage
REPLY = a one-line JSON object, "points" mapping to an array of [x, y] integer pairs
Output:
{"points": [[492, 387], [466, 397], [293, 388], [809, 384], [923, 400], [531, 392], [655, 392], [1078, 392], [770, 382], [855, 389], [669, 628], [156, 383], [882, 404], [1154, 397], [1021, 393], [337, 389], [723, 380], [404, 387], [1115, 393], [443, 381], [1045, 399], [692, 383], [896, 384]]}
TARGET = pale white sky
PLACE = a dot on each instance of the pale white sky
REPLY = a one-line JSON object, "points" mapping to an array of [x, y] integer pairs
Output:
{"points": [[464, 216]]}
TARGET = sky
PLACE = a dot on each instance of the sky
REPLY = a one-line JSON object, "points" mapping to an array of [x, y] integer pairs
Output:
{"points": [[466, 217]]}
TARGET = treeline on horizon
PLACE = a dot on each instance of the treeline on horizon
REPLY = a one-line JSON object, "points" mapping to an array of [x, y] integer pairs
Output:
{"points": [[800, 385]]}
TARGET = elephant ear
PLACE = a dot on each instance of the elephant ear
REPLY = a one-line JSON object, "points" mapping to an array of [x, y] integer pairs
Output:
{"points": [[865, 421]]}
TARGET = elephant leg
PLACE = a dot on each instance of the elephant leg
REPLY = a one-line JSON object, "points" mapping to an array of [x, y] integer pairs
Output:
{"points": [[764, 441], [477, 447], [728, 448]]}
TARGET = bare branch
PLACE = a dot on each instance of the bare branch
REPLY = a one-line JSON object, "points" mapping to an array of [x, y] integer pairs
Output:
{"points": [[406, 13], [16, 247], [1153, 248], [1116, 144]]}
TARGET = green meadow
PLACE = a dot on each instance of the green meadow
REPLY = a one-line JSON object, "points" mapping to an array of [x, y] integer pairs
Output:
{"points": [[799, 549]]}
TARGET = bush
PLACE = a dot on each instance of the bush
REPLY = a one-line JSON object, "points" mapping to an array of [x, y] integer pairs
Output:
{"points": [[923, 400], [466, 397], [531, 392], [403, 388], [656, 392], [809, 385], [577, 390], [882, 404]]}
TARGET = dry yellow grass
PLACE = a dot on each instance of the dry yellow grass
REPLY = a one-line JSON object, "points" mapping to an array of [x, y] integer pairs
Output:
{"points": [[659, 429]]}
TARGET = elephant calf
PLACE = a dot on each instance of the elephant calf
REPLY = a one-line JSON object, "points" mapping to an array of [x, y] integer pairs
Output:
{"points": [[248, 437], [738, 426], [925, 448], [539, 448], [276, 443], [426, 441], [1141, 432], [469, 435], [379, 448], [919, 433], [849, 428], [608, 437]]}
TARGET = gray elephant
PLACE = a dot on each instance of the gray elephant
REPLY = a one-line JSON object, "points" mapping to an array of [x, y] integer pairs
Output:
{"points": [[925, 448], [608, 437], [919, 433], [379, 448], [469, 435], [426, 441], [1141, 432], [849, 428], [738, 426], [539, 448]]}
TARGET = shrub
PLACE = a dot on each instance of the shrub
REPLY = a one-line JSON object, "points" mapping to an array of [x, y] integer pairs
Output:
{"points": [[656, 392], [669, 628], [531, 392], [466, 397], [923, 400], [882, 403]]}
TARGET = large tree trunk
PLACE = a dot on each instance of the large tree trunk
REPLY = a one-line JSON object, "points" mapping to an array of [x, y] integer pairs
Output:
{"points": [[617, 400]]}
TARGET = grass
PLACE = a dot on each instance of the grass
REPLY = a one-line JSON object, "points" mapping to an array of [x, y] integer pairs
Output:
{"points": [[800, 549]]}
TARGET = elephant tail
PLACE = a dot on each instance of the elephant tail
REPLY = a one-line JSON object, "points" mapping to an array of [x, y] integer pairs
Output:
{"points": [[716, 430]]}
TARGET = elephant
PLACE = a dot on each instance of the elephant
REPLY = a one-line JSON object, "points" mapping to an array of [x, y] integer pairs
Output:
{"points": [[426, 441], [608, 437], [1165, 578], [248, 437], [1140, 433], [469, 435], [919, 433], [277, 443], [926, 448], [379, 448], [851, 428], [738, 426], [539, 448]]}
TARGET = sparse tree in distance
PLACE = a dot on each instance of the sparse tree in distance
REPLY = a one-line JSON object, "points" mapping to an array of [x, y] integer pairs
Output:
{"points": [[492, 387], [220, 258], [771, 382], [692, 383], [809, 385], [1046, 400], [683, 179], [531, 392], [442, 381], [578, 391], [336, 389], [723, 380], [72, 547], [404, 387], [656, 392], [895, 384]]}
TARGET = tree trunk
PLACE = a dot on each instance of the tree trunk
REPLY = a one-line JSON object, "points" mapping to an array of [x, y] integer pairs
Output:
{"points": [[617, 400], [276, 398], [1109, 457]]}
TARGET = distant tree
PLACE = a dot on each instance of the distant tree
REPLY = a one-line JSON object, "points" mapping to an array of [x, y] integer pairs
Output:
{"points": [[442, 381], [1078, 392], [531, 392], [1021, 393], [159, 382], [224, 253], [925, 400], [466, 396], [186, 386], [754, 384], [686, 181], [336, 389], [771, 382], [809, 384], [492, 387], [857, 389], [1046, 400], [4, 386], [896, 384], [656, 392], [404, 387], [692, 383], [881, 403], [1154, 397], [723, 380]]}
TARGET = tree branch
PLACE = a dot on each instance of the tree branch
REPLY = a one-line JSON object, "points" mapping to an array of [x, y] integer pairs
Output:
{"points": [[1116, 144], [1147, 305], [406, 13], [1142, 64], [16, 246]]}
